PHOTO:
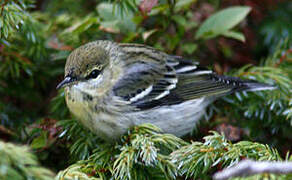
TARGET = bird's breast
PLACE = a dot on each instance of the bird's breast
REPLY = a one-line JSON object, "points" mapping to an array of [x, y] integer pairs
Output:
{"points": [[97, 116]]}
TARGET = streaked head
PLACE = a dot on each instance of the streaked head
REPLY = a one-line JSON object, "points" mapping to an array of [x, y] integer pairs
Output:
{"points": [[90, 66]]}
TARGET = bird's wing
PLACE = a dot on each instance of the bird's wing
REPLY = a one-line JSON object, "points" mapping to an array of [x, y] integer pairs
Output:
{"points": [[155, 79], [145, 81]]}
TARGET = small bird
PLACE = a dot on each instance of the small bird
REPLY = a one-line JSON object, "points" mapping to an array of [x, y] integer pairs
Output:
{"points": [[111, 87]]}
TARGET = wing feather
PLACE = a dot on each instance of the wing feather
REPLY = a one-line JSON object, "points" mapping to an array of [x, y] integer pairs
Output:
{"points": [[153, 78], [144, 82]]}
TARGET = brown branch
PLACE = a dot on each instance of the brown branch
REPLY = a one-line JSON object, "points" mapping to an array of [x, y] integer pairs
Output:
{"points": [[283, 57], [2, 6], [247, 73], [15, 54], [6, 131]]}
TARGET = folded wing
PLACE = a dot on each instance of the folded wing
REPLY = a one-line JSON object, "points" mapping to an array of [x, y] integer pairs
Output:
{"points": [[150, 82]]}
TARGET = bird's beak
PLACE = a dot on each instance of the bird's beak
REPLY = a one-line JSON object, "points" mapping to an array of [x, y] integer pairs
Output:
{"points": [[65, 82]]}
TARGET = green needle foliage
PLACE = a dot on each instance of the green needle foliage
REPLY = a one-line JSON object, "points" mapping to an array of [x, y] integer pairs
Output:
{"points": [[271, 109], [142, 153], [13, 14], [17, 163], [83, 141], [199, 158]]}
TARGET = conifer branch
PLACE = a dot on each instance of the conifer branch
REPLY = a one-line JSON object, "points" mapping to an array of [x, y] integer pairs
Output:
{"points": [[198, 158], [17, 162]]}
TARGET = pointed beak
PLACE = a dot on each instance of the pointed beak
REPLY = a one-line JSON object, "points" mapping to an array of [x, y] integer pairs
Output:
{"points": [[65, 82]]}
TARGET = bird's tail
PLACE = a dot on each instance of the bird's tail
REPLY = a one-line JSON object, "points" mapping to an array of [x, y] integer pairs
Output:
{"points": [[245, 85], [256, 86]]}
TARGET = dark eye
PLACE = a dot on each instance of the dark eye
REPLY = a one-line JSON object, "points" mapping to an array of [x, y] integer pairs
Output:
{"points": [[93, 74]]}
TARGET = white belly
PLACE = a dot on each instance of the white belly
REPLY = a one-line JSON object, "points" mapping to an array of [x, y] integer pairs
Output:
{"points": [[177, 119]]}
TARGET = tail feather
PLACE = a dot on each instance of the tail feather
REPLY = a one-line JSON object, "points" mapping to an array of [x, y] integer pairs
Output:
{"points": [[256, 86], [244, 85]]}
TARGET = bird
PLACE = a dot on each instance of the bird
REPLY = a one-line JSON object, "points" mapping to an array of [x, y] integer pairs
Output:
{"points": [[110, 87]]}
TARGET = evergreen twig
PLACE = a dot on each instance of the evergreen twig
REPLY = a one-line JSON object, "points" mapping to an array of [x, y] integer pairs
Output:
{"points": [[17, 162]]}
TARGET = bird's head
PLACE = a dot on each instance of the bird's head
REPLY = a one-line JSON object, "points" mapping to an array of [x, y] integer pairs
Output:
{"points": [[91, 67]]}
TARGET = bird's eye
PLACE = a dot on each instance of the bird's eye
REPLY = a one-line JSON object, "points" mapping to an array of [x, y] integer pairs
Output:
{"points": [[93, 74]]}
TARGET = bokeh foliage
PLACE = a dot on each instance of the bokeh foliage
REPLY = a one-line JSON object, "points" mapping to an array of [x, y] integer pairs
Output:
{"points": [[246, 40]]}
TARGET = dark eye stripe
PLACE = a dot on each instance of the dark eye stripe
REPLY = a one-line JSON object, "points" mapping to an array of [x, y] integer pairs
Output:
{"points": [[93, 74]]}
